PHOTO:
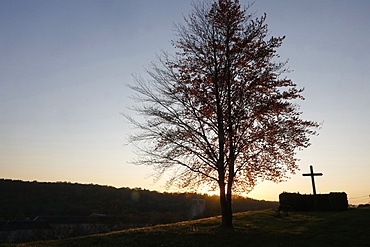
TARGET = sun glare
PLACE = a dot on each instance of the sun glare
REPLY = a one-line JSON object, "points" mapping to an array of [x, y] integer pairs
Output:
{"points": [[208, 190]]}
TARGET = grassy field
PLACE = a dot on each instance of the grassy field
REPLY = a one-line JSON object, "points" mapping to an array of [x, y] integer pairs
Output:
{"points": [[256, 228]]}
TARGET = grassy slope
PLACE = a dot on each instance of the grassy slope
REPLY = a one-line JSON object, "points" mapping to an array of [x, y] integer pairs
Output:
{"points": [[259, 228]]}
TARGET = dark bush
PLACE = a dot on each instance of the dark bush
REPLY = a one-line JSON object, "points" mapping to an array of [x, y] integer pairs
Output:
{"points": [[335, 201]]}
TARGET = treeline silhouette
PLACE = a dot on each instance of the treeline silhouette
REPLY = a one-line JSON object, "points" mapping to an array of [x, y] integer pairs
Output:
{"points": [[20, 200]]}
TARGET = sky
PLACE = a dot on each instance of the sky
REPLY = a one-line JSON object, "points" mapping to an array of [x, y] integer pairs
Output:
{"points": [[65, 66]]}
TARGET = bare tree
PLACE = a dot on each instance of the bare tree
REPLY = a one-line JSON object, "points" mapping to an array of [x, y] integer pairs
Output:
{"points": [[219, 112]]}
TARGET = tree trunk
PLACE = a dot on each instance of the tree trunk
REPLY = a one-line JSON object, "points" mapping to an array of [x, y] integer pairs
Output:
{"points": [[226, 212]]}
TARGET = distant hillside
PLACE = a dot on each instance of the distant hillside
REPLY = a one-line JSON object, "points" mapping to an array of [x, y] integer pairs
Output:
{"points": [[26, 200]]}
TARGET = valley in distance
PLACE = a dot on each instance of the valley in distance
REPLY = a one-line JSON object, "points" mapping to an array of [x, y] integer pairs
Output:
{"points": [[72, 209]]}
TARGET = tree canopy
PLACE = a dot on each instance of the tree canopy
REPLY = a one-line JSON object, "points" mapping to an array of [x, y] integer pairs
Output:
{"points": [[220, 111]]}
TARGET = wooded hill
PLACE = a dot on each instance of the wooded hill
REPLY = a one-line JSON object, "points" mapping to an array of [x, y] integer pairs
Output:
{"points": [[21, 200]]}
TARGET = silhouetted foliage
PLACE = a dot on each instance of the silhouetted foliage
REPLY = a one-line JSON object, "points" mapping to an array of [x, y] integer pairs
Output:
{"points": [[334, 201], [219, 112]]}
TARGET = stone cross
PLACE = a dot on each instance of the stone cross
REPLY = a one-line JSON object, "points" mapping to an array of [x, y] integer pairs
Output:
{"points": [[312, 175]]}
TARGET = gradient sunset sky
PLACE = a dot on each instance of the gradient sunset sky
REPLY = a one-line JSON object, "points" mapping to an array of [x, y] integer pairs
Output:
{"points": [[64, 67]]}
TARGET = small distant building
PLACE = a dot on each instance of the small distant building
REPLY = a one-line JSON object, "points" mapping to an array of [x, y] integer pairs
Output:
{"points": [[13, 231], [55, 227], [197, 208]]}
